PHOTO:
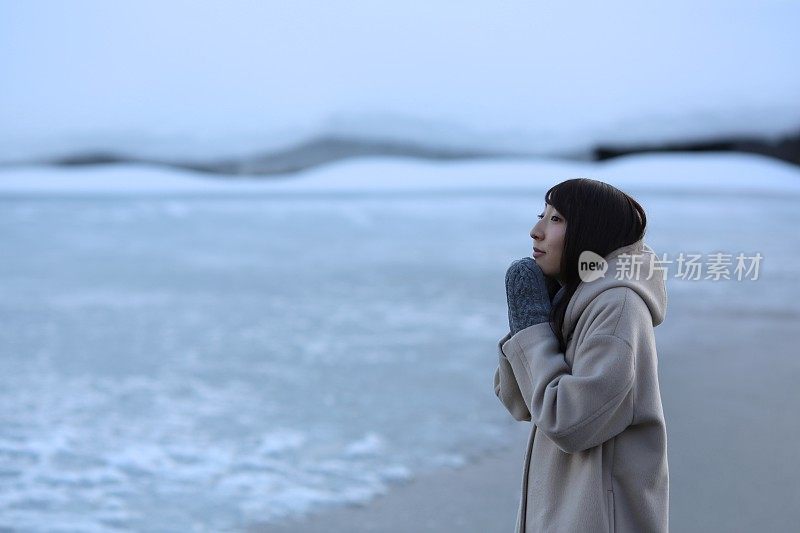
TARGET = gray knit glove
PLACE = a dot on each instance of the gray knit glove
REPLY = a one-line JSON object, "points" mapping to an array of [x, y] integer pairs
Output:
{"points": [[528, 294]]}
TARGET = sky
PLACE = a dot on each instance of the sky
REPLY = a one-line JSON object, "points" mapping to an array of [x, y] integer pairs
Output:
{"points": [[208, 79]]}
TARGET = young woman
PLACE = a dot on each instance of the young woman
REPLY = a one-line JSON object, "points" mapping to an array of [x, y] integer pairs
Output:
{"points": [[583, 368]]}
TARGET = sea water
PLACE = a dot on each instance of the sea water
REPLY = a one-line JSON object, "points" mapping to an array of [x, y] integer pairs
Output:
{"points": [[199, 364]]}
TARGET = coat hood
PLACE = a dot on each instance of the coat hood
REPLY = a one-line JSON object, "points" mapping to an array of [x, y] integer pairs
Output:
{"points": [[623, 263]]}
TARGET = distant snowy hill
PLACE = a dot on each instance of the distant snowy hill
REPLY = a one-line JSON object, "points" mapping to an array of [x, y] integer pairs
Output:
{"points": [[719, 173]]}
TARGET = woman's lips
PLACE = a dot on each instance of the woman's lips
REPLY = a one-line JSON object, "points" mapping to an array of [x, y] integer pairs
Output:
{"points": [[537, 252]]}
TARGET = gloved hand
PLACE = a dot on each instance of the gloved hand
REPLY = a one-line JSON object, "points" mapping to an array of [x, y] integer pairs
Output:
{"points": [[528, 294]]}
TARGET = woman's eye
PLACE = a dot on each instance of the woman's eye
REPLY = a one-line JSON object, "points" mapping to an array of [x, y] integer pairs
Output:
{"points": [[554, 217], [539, 216]]}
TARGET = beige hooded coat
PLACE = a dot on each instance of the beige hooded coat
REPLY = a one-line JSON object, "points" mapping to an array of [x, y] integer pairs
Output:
{"points": [[596, 458]]}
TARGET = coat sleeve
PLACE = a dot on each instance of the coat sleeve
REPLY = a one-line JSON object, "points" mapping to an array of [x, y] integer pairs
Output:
{"points": [[583, 406], [506, 387]]}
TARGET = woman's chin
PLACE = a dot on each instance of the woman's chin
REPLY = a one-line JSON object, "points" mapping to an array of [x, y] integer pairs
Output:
{"points": [[541, 265]]}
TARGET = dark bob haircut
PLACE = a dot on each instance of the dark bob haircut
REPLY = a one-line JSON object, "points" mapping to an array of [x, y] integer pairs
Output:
{"points": [[600, 218]]}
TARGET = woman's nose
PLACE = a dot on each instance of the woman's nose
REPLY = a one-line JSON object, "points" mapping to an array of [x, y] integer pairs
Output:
{"points": [[535, 235]]}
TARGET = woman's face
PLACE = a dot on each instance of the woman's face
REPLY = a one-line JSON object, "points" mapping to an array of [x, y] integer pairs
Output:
{"points": [[548, 236]]}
